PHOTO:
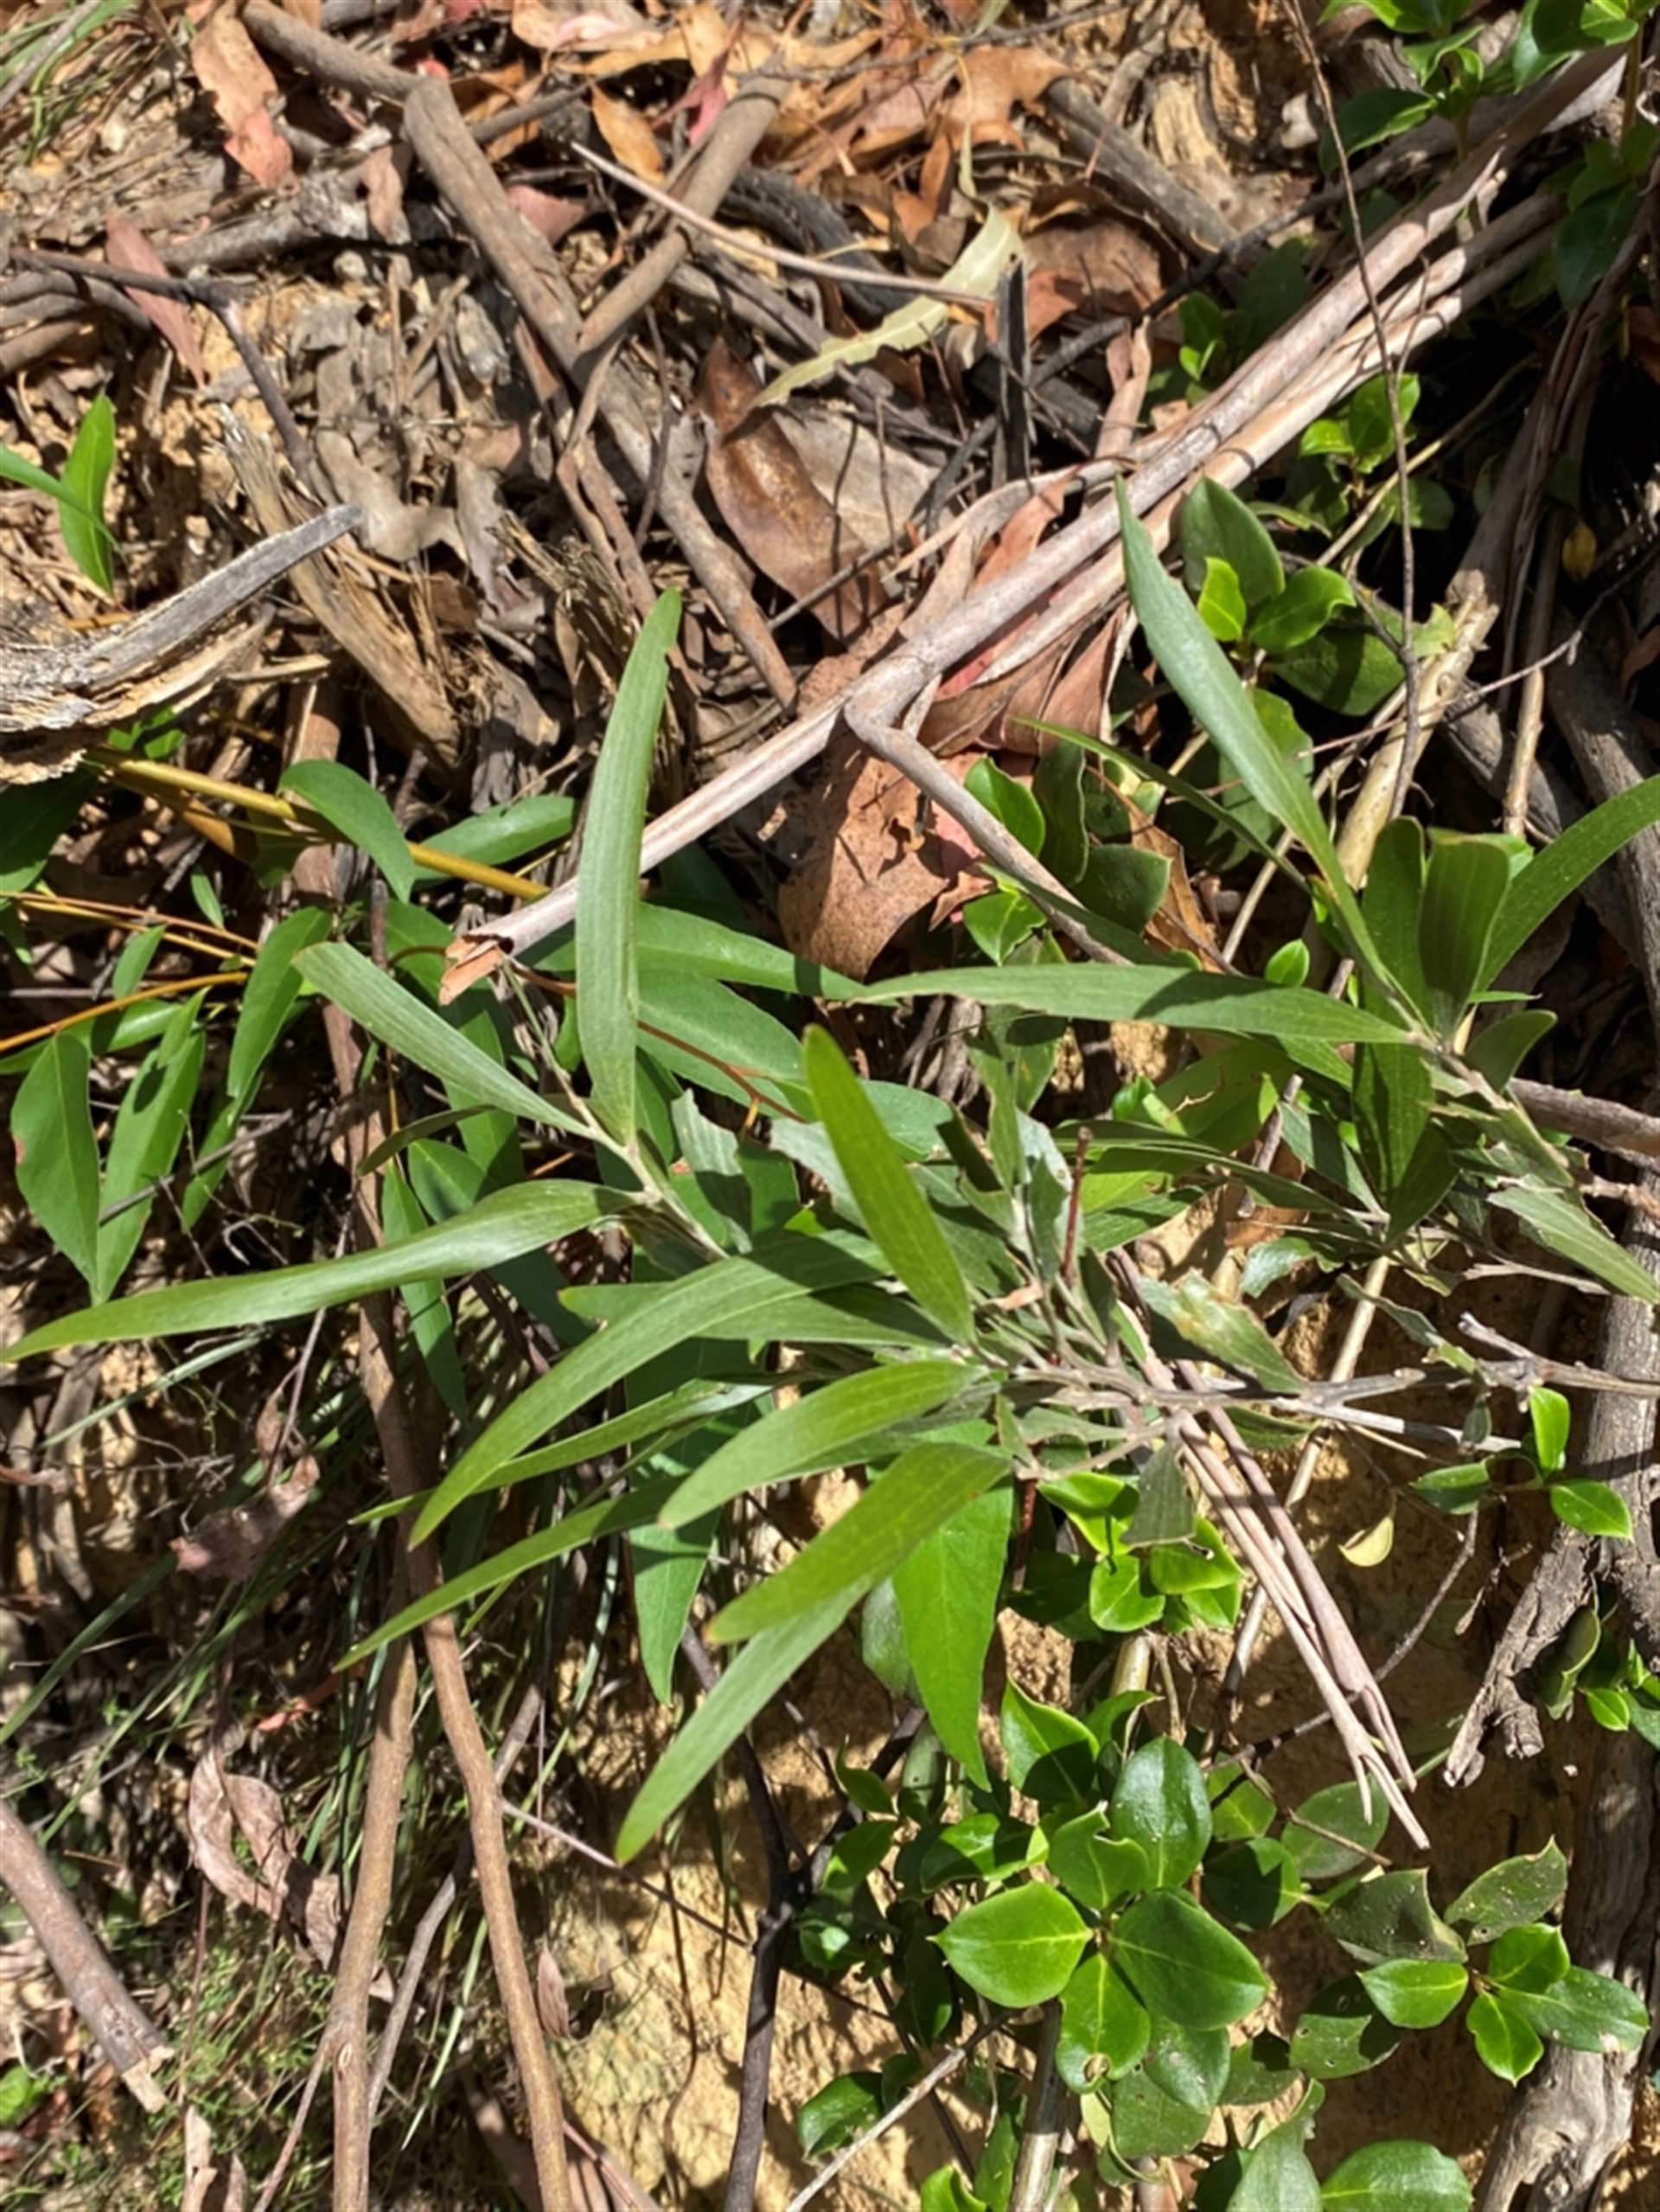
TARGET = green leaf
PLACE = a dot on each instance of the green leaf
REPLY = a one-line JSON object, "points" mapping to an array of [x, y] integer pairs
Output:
{"points": [[1012, 804], [1254, 1883], [1217, 525], [920, 1493], [1416, 1992], [1586, 2011], [1221, 602], [1335, 1829], [1182, 1966], [1506, 1895], [80, 494], [985, 1847], [1456, 1489], [1103, 2028], [895, 1213], [1189, 2064], [1533, 1958], [386, 1010], [1222, 1332], [1017, 1949], [820, 1430], [273, 984], [1093, 1869], [358, 813], [1464, 891], [1199, 669], [1051, 1755], [1396, 2177], [607, 972], [1499, 1050], [1389, 1916], [946, 2190], [1163, 1510], [1393, 900], [754, 1678], [33, 819], [1559, 1223], [531, 824], [741, 1294], [1585, 243], [57, 1164], [1394, 1097], [1278, 2176], [1160, 1804], [667, 1567], [607, 1516], [1557, 870], [1593, 1507], [1302, 611], [947, 1592], [1179, 997], [1504, 2042], [1148, 2122], [1552, 1417], [500, 1228], [150, 1128], [841, 2110], [1342, 2032]]}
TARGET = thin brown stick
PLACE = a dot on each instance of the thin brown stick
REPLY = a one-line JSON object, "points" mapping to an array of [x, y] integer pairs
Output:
{"points": [[123, 2030]]}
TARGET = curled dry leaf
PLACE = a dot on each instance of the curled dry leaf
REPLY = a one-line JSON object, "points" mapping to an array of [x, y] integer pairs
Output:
{"points": [[209, 2184], [222, 1806], [128, 247], [630, 137], [779, 516], [229, 67]]}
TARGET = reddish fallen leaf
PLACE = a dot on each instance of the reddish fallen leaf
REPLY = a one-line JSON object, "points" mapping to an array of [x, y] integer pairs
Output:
{"points": [[229, 67], [552, 219], [127, 247], [770, 502]]}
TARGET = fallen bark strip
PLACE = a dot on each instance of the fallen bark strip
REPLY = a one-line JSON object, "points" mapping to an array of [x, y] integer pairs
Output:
{"points": [[1230, 435]]}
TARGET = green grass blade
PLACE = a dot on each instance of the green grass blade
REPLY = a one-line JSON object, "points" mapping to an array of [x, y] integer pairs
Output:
{"points": [[606, 1517], [895, 1213], [608, 969]]}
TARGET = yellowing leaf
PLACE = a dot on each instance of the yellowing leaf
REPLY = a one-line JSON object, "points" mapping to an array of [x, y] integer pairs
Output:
{"points": [[976, 271], [1580, 551], [1373, 1545]]}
